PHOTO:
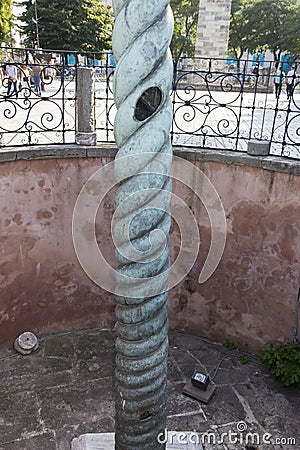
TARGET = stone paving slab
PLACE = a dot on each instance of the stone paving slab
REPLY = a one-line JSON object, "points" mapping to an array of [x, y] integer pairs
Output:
{"points": [[106, 441], [46, 441], [65, 389]]}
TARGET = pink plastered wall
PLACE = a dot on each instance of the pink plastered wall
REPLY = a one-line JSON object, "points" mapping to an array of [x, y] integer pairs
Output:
{"points": [[250, 299], [43, 288]]}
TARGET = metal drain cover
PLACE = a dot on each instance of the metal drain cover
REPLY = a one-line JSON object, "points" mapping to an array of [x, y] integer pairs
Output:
{"points": [[26, 343]]}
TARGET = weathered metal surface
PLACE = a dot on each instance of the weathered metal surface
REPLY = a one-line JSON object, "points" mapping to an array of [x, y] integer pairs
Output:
{"points": [[26, 343], [142, 83]]}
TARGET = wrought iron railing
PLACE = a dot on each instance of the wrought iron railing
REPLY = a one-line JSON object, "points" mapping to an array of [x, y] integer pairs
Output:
{"points": [[217, 104], [224, 106], [37, 113]]}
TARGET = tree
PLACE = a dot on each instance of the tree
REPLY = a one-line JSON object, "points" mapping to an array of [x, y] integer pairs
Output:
{"points": [[262, 24], [79, 25], [242, 34], [185, 27], [274, 24], [6, 19], [294, 48]]}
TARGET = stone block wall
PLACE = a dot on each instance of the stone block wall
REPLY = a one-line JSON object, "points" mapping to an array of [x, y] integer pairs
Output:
{"points": [[213, 28]]}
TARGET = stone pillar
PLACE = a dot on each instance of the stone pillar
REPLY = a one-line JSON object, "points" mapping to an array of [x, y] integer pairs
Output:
{"points": [[85, 116], [213, 28]]}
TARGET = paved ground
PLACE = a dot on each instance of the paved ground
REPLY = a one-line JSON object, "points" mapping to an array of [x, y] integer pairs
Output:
{"points": [[64, 390]]}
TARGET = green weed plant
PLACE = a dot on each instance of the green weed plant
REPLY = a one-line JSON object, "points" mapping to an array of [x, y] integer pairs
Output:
{"points": [[283, 361]]}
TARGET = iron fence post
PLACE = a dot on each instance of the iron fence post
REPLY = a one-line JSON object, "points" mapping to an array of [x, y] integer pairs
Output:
{"points": [[85, 112]]}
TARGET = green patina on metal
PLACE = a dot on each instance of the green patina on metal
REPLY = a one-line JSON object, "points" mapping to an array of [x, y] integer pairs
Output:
{"points": [[142, 82]]}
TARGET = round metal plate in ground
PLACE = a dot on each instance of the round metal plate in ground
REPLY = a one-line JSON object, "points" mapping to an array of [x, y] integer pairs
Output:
{"points": [[26, 343]]}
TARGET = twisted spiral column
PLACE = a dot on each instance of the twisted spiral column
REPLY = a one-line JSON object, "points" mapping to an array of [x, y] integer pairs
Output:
{"points": [[142, 82]]}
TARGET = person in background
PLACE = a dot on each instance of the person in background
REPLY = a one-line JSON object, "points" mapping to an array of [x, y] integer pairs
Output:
{"points": [[255, 71], [12, 77], [36, 75], [25, 78], [290, 78], [278, 80]]}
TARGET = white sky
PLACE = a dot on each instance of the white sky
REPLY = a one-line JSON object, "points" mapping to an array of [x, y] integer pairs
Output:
{"points": [[17, 11]]}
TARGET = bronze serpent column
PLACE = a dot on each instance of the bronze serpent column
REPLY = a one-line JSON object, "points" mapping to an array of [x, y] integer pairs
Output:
{"points": [[142, 83]]}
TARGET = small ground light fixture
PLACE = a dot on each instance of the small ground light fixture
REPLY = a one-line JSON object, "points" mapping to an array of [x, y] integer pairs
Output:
{"points": [[199, 386], [200, 380]]}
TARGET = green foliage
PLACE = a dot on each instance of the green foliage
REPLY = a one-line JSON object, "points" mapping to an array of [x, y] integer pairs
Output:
{"points": [[68, 24], [242, 23], [274, 19], [283, 361], [185, 27], [5, 20], [87, 25], [244, 358], [229, 345], [262, 24]]}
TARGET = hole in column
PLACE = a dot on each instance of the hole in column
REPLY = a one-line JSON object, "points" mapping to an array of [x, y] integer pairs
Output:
{"points": [[148, 103]]}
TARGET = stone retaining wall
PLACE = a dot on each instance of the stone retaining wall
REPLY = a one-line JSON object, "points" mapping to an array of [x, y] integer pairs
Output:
{"points": [[251, 297]]}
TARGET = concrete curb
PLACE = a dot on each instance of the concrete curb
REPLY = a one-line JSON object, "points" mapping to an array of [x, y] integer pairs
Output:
{"points": [[273, 163]]}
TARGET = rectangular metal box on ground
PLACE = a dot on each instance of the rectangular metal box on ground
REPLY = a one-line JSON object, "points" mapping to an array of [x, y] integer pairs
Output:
{"points": [[177, 440], [200, 380]]}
